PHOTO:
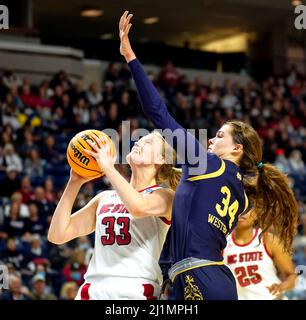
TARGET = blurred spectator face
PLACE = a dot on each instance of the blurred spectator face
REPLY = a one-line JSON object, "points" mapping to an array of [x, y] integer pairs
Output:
{"points": [[66, 99], [15, 284], [9, 98], [11, 173], [69, 290], [49, 185], [113, 111], [26, 89], [9, 149], [93, 88], [33, 209], [25, 182], [15, 208], [28, 136], [58, 91], [39, 193], [50, 142], [81, 103], [296, 155], [17, 197], [34, 155], [39, 287], [125, 98], [222, 144], [35, 243], [11, 244]]}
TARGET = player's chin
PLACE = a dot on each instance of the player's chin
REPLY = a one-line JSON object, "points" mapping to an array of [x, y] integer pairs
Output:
{"points": [[133, 158]]}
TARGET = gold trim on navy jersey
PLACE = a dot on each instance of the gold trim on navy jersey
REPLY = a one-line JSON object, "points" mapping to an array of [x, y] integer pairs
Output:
{"points": [[214, 174]]}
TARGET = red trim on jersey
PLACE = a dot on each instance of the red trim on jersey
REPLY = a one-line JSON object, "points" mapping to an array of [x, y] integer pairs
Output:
{"points": [[156, 185], [148, 291], [84, 291], [165, 220], [266, 249], [245, 244]]}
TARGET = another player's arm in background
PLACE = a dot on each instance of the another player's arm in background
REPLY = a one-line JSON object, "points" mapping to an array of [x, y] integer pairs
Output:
{"points": [[152, 103], [64, 226], [283, 263], [158, 203]]}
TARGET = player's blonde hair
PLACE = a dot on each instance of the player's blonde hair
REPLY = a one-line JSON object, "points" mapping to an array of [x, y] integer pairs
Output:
{"points": [[167, 173], [266, 186]]}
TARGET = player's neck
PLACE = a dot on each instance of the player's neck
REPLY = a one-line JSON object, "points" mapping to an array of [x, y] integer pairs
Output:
{"points": [[243, 235], [141, 180]]}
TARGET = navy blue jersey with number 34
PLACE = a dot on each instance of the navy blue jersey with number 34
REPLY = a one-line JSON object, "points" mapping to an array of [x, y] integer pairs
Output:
{"points": [[206, 206]]}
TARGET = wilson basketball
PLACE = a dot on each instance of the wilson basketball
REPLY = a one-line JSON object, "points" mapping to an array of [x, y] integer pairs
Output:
{"points": [[80, 162]]}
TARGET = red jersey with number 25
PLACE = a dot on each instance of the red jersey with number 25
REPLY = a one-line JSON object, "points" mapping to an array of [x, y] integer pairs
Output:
{"points": [[252, 267], [125, 246]]}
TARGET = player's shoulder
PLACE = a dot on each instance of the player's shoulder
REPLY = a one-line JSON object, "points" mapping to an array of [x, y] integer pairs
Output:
{"points": [[164, 191], [105, 194]]}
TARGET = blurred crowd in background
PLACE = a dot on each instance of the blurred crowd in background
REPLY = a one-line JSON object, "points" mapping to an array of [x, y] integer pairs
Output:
{"points": [[37, 123]]}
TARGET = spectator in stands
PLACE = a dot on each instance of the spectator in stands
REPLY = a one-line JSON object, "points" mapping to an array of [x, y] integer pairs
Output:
{"points": [[35, 223], [82, 110], [23, 208], [69, 291], [94, 96], [34, 166], [10, 183], [26, 189], [14, 255], [14, 224], [12, 158], [74, 271], [49, 190], [49, 151], [296, 164], [37, 252], [16, 290], [27, 144], [45, 207], [281, 162], [40, 289]]}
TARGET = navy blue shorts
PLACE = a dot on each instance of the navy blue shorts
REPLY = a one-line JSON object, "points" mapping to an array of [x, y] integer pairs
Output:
{"points": [[205, 283]]}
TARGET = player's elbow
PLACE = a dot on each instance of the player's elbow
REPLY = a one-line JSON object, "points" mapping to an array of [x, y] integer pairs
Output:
{"points": [[139, 210], [55, 238]]}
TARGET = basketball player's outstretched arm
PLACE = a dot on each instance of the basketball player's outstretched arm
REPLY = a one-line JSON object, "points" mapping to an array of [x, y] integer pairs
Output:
{"points": [[157, 203], [283, 263], [152, 103], [64, 226]]}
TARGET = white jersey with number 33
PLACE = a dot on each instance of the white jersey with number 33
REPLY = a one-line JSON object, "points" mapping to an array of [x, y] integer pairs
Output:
{"points": [[127, 251], [252, 267]]}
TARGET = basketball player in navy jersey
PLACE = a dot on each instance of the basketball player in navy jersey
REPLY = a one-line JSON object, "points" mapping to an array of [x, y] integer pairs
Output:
{"points": [[206, 206]]}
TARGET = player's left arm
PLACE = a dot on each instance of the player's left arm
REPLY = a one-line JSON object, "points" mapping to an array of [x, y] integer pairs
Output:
{"points": [[283, 263], [158, 203]]}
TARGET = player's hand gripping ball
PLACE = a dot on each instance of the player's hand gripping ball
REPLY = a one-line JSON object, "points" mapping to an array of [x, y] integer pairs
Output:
{"points": [[82, 163]]}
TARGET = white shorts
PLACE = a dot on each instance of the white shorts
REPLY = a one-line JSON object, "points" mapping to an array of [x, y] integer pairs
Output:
{"points": [[119, 289]]}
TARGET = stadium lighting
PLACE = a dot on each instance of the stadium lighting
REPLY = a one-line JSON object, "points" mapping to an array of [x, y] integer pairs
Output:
{"points": [[91, 12], [150, 20], [296, 2]]}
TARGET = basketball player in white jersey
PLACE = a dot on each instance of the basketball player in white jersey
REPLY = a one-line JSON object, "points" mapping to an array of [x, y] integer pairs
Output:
{"points": [[255, 260], [131, 222]]}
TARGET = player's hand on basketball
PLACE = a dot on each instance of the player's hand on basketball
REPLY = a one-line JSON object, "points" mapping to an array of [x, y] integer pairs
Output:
{"points": [[74, 177], [124, 28], [101, 151]]}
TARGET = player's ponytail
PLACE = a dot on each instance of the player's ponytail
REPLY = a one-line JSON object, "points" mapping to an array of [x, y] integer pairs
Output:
{"points": [[267, 187], [275, 204], [167, 173]]}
